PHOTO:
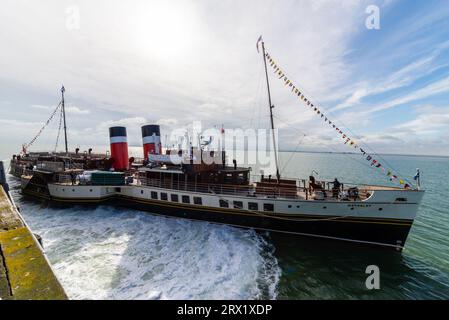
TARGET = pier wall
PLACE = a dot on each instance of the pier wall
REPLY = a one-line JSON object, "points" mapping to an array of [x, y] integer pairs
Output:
{"points": [[25, 273]]}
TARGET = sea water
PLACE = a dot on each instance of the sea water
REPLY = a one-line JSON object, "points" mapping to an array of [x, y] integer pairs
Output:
{"points": [[113, 253]]}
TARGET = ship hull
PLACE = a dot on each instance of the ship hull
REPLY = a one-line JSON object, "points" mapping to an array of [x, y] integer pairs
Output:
{"points": [[390, 234], [385, 232]]}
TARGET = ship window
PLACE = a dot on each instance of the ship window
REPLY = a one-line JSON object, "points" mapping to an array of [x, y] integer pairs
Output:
{"points": [[174, 197], [73, 190], [380, 209], [141, 191], [154, 195], [118, 189], [197, 200], [238, 205], [224, 203], [90, 190], [63, 189], [185, 199], [401, 199], [164, 196], [253, 206], [268, 207], [289, 205]]}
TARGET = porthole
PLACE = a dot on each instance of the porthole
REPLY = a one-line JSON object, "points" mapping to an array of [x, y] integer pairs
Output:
{"points": [[298, 207], [289, 205], [253, 206], [224, 203], [238, 204], [324, 207], [352, 208], [90, 190], [141, 191], [73, 190], [185, 199], [380, 209]]}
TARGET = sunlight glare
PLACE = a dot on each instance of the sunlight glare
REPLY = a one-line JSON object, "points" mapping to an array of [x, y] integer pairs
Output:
{"points": [[164, 31]]}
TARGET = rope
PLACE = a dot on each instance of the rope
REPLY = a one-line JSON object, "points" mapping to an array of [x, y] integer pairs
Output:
{"points": [[296, 148], [26, 146]]}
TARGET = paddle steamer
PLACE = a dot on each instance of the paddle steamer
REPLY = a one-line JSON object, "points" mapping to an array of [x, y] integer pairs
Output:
{"points": [[175, 183]]}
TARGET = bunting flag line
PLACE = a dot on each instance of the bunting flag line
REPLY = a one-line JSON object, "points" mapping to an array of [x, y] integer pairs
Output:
{"points": [[296, 90]]}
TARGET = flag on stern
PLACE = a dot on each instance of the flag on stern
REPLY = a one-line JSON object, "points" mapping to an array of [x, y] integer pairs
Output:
{"points": [[416, 176]]}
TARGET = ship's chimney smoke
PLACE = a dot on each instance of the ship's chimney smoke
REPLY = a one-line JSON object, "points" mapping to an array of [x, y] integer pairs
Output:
{"points": [[151, 138], [119, 148]]}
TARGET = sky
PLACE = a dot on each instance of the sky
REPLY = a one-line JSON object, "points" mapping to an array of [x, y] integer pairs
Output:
{"points": [[179, 61]]}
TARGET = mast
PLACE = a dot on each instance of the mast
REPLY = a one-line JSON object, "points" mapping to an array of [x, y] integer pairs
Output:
{"points": [[270, 105], [63, 115]]}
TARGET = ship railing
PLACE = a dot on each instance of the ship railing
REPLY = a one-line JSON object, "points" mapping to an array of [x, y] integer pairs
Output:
{"points": [[63, 178], [325, 189], [223, 189], [304, 182]]}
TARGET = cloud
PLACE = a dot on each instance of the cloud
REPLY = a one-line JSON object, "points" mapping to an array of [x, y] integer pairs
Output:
{"points": [[41, 107], [398, 79], [430, 120], [173, 62], [127, 122], [170, 122], [69, 109], [434, 88], [176, 62], [76, 110]]}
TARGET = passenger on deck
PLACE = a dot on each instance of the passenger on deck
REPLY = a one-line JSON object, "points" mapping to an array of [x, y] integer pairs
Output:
{"points": [[313, 186], [336, 188], [73, 176]]}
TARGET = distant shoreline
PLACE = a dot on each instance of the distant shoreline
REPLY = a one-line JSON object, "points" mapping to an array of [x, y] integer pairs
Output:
{"points": [[327, 152], [382, 154]]}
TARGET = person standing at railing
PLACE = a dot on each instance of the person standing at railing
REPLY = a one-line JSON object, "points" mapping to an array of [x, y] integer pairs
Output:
{"points": [[336, 188]]}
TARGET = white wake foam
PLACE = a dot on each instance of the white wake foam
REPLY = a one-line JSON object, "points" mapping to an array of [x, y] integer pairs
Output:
{"points": [[110, 253]]}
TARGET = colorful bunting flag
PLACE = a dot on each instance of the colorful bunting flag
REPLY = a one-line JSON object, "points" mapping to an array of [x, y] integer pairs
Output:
{"points": [[352, 143]]}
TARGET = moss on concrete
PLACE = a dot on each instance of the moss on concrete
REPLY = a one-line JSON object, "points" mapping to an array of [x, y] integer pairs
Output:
{"points": [[30, 276], [24, 271], [4, 283], [9, 219]]}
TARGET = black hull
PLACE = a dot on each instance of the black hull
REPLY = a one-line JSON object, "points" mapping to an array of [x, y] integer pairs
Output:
{"points": [[392, 235], [379, 232]]}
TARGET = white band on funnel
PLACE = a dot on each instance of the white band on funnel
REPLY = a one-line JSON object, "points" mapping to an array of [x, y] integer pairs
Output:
{"points": [[117, 139], [151, 139]]}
